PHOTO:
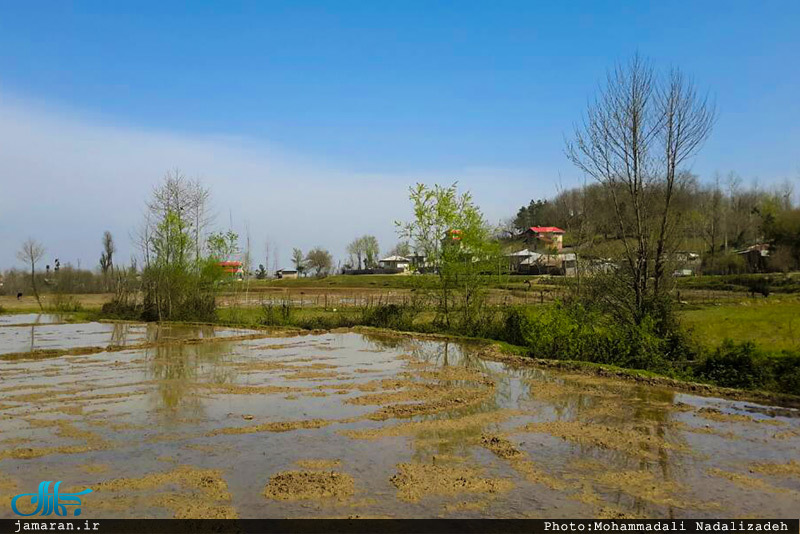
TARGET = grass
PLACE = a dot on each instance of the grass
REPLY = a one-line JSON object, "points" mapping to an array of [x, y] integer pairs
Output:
{"points": [[772, 324], [744, 283], [28, 304]]}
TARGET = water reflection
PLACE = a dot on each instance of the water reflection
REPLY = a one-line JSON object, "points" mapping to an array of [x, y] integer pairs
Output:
{"points": [[176, 367], [584, 442]]}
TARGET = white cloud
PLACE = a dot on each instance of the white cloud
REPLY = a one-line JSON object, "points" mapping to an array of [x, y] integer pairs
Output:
{"points": [[64, 179]]}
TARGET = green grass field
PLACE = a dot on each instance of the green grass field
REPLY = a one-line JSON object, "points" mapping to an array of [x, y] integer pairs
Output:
{"points": [[772, 324]]}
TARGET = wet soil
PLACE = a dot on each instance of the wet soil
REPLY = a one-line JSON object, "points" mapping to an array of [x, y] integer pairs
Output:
{"points": [[190, 421]]}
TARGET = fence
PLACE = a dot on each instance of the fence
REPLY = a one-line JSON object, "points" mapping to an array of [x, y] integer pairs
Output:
{"points": [[356, 299], [496, 297]]}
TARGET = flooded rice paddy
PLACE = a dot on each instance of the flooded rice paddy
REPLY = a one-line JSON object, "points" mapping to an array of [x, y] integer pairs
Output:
{"points": [[183, 421]]}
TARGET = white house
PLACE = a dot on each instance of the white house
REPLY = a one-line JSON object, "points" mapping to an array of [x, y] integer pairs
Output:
{"points": [[395, 262]]}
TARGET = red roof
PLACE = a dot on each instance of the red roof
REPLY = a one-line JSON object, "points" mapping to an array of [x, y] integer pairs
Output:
{"points": [[547, 230]]}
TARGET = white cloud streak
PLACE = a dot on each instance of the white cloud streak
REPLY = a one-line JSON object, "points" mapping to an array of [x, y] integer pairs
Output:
{"points": [[65, 178]]}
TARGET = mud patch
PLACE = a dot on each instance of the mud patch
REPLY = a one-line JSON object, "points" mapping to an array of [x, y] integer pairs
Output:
{"points": [[713, 414], [416, 480], [747, 482], [500, 446], [309, 485], [318, 464], [199, 493], [190, 507], [282, 426], [433, 426], [790, 469], [642, 484], [450, 399]]}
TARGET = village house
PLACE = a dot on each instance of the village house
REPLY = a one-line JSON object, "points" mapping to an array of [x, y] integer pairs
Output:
{"points": [[544, 237], [395, 262], [286, 274], [234, 268], [755, 257], [528, 262]]}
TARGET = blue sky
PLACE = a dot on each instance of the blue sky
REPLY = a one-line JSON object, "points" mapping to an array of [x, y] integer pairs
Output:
{"points": [[260, 99]]}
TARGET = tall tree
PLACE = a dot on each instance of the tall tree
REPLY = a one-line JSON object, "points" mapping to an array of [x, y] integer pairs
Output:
{"points": [[633, 140], [178, 279], [30, 253], [364, 251], [298, 260], [107, 256], [371, 251], [356, 252], [452, 234]]}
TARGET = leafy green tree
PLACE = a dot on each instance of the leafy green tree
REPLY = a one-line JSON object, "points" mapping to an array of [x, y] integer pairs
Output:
{"points": [[319, 260], [536, 213], [364, 251], [451, 232], [371, 251], [223, 245], [299, 260], [178, 281]]}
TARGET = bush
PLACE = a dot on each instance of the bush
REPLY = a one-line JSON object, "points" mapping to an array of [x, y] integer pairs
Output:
{"points": [[116, 309], [393, 316], [276, 315], [180, 293], [576, 333], [327, 322], [786, 372], [736, 365], [66, 303]]}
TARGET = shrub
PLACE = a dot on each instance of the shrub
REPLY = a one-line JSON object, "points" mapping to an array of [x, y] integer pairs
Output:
{"points": [[786, 372], [116, 309], [737, 365], [66, 303], [394, 316], [276, 315]]}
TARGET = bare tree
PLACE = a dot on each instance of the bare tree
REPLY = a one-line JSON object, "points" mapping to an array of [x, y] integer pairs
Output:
{"points": [[107, 256], [176, 221], [634, 139], [172, 239], [30, 253]]}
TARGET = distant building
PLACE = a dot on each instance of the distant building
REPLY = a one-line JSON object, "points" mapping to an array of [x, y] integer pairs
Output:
{"points": [[517, 259], [528, 262], [551, 237], [286, 273], [395, 262], [756, 257]]}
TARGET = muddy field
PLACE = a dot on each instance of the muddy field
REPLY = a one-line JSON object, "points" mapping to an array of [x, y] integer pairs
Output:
{"points": [[197, 422]]}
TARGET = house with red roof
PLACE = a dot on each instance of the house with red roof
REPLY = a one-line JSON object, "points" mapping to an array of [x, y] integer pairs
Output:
{"points": [[546, 237]]}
